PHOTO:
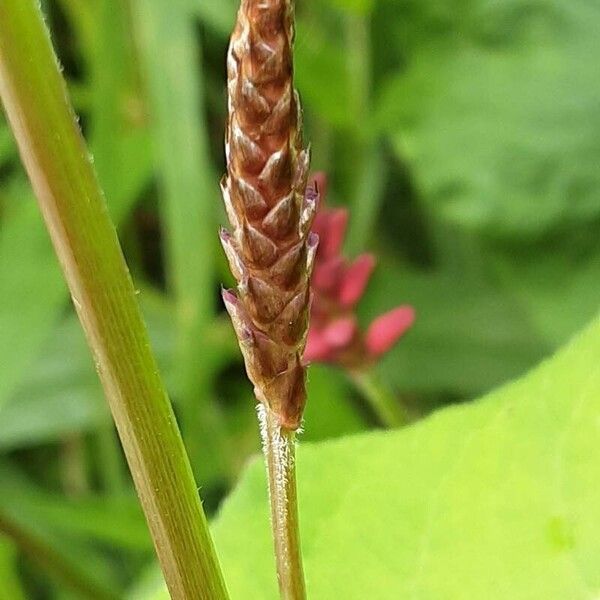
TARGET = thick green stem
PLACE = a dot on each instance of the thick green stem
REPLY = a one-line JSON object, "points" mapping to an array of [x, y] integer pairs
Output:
{"points": [[58, 164], [279, 447], [382, 402]]}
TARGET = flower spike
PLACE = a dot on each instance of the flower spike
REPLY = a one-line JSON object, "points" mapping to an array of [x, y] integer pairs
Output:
{"points": [[270, 248]]}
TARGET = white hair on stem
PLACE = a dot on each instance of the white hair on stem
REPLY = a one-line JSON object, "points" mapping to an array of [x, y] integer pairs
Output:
{"points": [[279, 451]]}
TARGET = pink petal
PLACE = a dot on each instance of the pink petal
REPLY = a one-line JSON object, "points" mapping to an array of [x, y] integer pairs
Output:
{"points": [[327, 274], [355, 279], [338, 220], [330, 226], [317, 348], [387, 329], [339, 333]]}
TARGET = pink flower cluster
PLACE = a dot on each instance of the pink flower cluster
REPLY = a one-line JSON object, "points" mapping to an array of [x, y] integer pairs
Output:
{"points": [[338, 285]]}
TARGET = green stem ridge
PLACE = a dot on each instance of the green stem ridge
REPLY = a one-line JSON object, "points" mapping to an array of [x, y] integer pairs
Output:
{"points": [[60, 169], [279, 447]]}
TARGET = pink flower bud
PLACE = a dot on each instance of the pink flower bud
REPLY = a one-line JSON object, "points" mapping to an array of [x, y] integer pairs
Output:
{"points": [[339, 333], [327, 274], [317, 349], [387, 329], [330, 226], [355, 279], [337, 286]]}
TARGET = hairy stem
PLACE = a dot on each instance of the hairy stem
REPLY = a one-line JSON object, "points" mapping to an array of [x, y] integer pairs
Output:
{"points": [[279, 447], [58, 164], [382, 402]]}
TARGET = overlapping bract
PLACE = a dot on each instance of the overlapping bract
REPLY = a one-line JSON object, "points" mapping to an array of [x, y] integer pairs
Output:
{"points": [[338, 285], [270, 249]]}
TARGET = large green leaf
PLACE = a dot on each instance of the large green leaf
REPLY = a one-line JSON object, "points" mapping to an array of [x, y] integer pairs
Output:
{"points": [[498, 112], [498, 499]]}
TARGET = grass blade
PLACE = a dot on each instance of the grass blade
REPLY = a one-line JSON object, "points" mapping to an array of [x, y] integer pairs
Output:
{"points": [[58, 164]]}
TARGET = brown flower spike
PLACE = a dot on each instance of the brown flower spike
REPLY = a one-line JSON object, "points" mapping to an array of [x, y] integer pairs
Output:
{"points": [[270, 249]]}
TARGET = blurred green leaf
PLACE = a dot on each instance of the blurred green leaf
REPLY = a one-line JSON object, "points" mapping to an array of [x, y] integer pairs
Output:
{"points": [[76, 566], [172, 64], [83, 18], [354, 6], [497, 116], [218, 14], [30, 280], [10, 584], [330, 411], [6, 142], [555, 283], [62, 394], [466, 338], [116, 522], [321, 73]]}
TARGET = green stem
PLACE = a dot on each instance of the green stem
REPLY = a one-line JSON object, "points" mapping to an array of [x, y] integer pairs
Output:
{"points": [[58, 164], [366, 168], [382, 402], [279, 447], [358, 53]]}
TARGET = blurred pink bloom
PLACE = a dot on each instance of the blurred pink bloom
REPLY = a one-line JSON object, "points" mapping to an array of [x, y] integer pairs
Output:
{"points": [[338, 285]]}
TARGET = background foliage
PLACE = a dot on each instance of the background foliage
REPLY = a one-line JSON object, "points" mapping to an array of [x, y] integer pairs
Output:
{"points": [[464, 137]]}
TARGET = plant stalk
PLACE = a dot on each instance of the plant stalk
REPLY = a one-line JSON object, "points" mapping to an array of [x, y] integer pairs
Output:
{"points": [[366, 169], [279, 447], [59, 167], [382, 402]]}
